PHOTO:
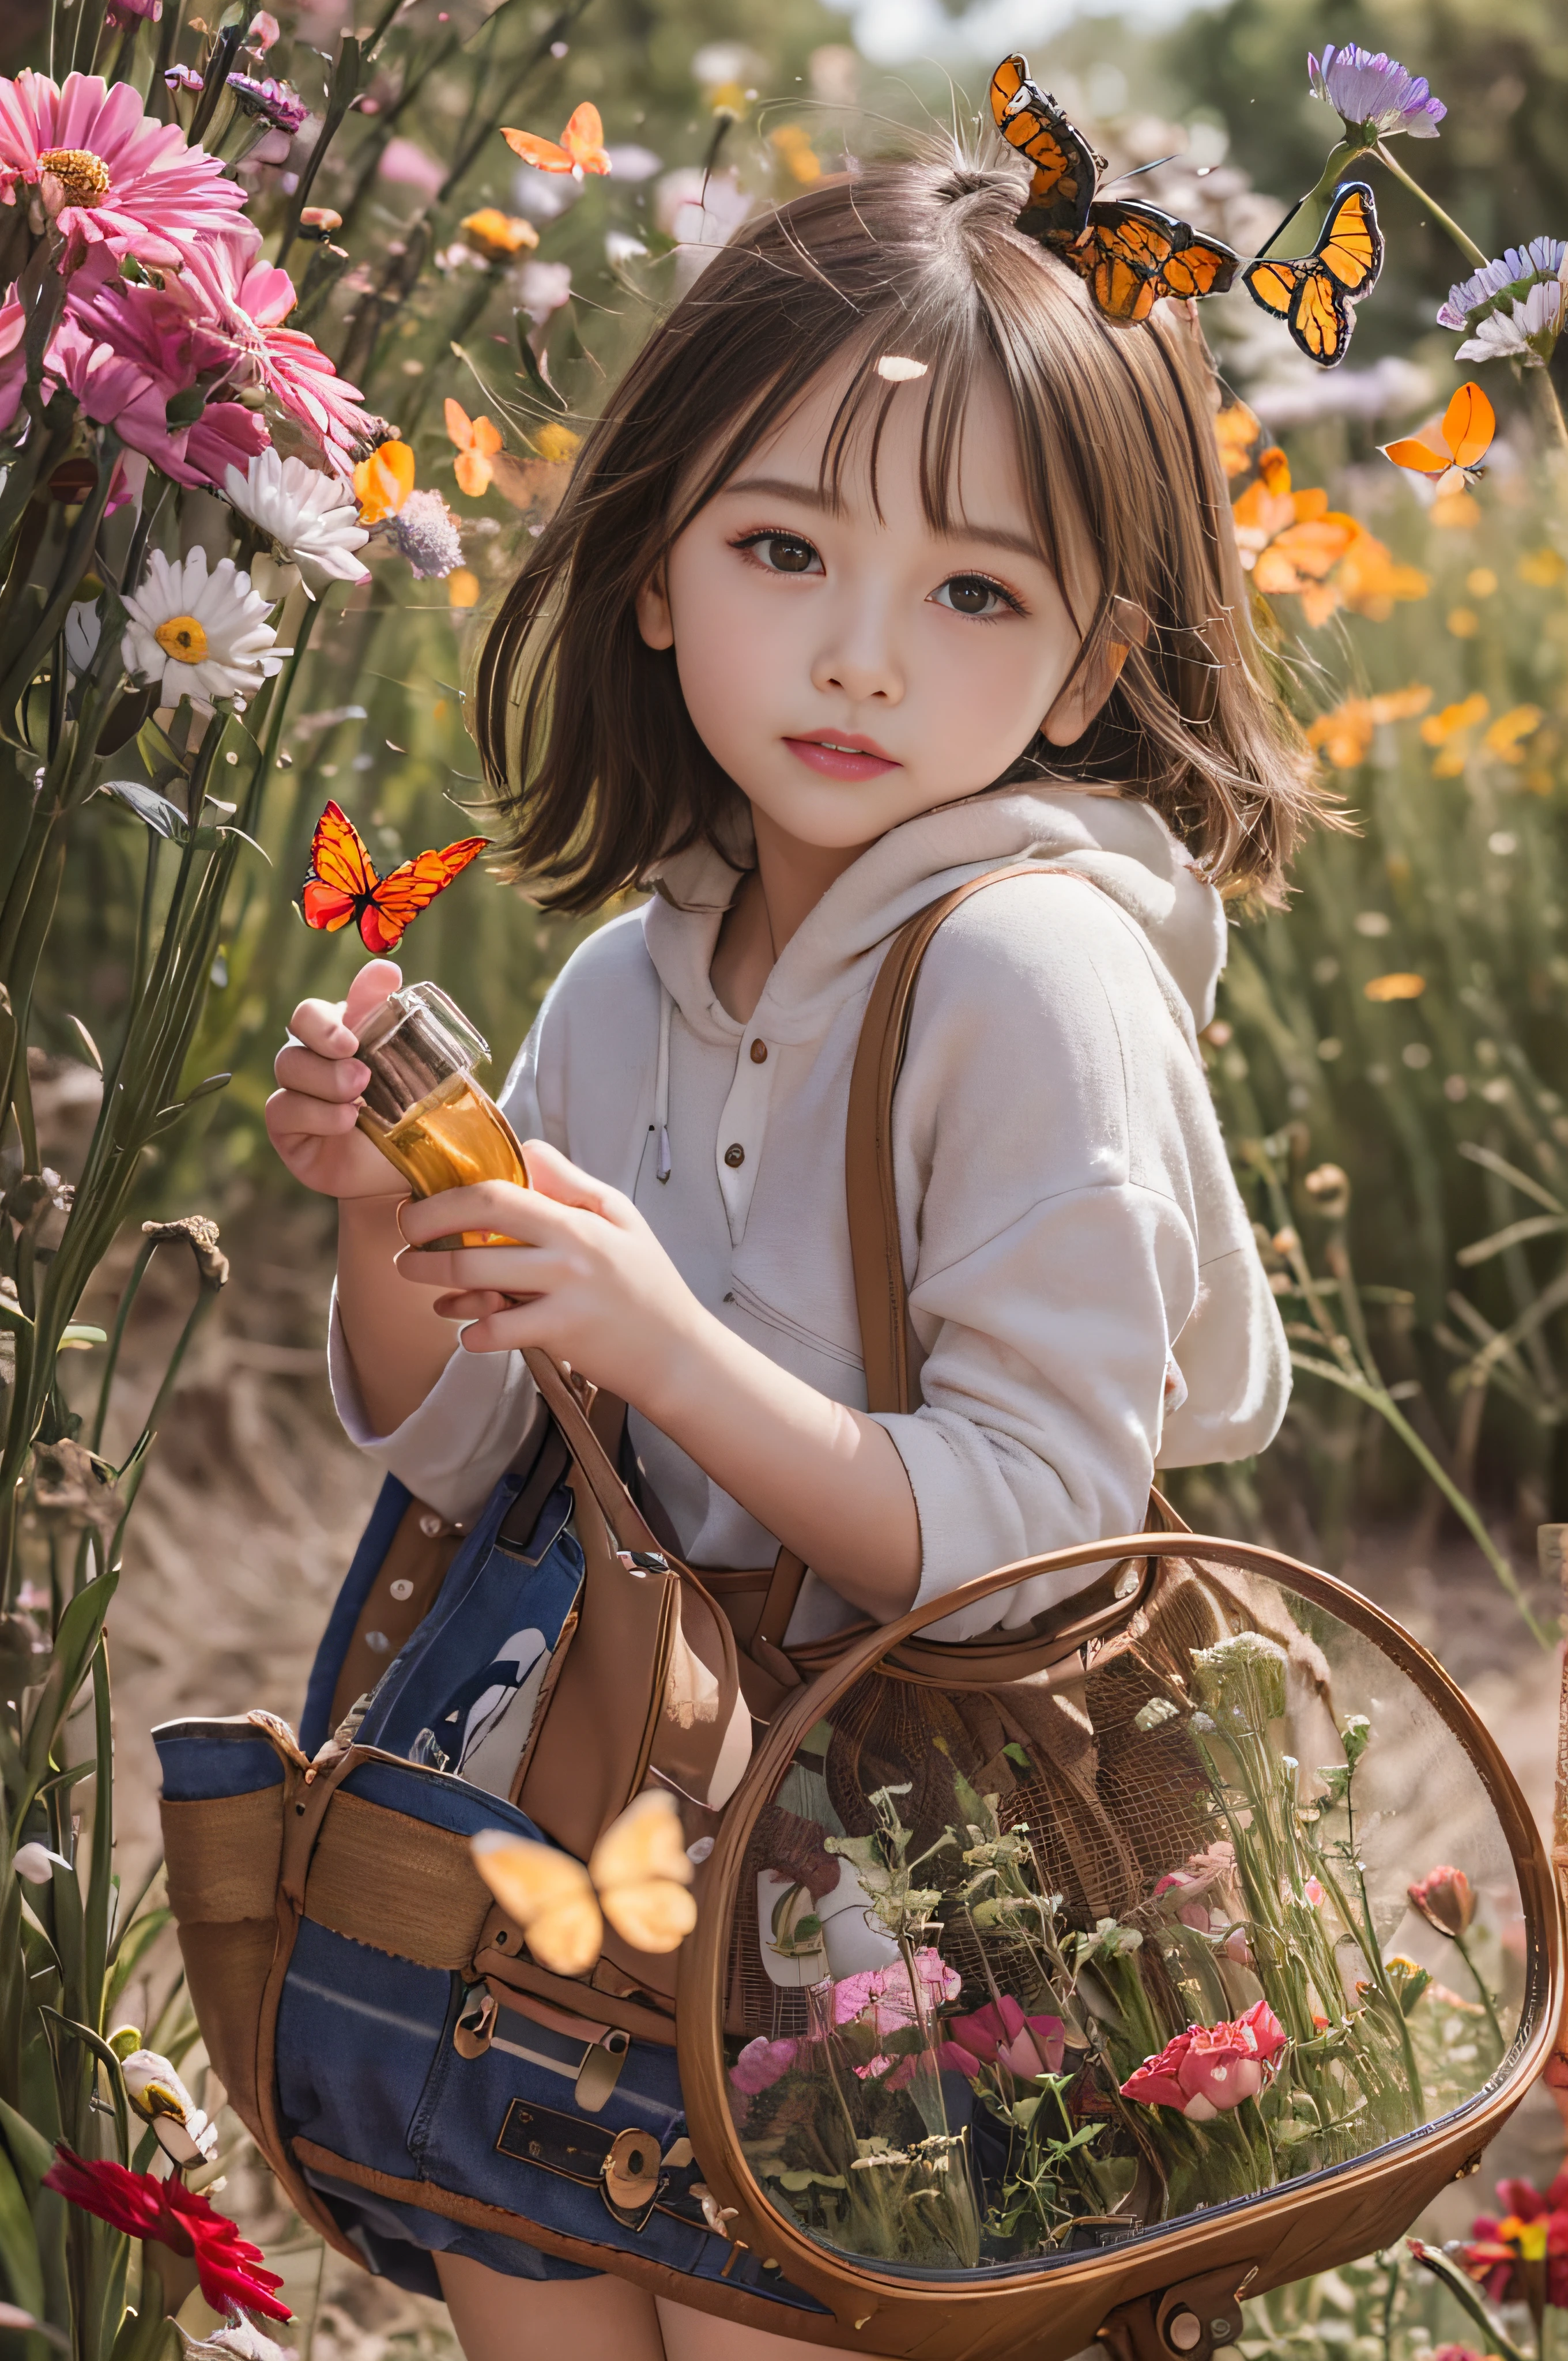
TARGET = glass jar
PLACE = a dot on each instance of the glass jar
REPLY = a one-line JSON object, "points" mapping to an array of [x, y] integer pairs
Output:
{"points": [[423, 1107]]}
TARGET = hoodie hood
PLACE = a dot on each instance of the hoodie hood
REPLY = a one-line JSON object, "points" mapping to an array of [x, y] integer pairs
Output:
{"points": [[1119, 844]]}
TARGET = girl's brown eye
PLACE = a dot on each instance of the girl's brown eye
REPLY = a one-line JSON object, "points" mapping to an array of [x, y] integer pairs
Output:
{"points": [[787, 555], [969, 594]]}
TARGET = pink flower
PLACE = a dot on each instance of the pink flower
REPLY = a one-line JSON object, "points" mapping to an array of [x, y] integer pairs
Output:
{"points": [[245, 302], [115, 176], [13, 369], [410, 168], [1446, 1900], [762, 2064], [881, 1998], [1001, 2035], [1208, 2069], [1314, 1893], [265, 30]]}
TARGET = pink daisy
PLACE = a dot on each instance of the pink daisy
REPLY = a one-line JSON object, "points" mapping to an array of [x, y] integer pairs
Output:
{"points": [[247, 302], [125, 180]]}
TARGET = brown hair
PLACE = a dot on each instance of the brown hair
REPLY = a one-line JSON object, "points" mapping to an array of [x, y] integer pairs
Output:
{"points": [[595, 763]]}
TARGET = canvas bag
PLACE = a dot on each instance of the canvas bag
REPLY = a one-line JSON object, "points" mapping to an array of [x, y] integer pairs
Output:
{"points": [[411, 2074]]}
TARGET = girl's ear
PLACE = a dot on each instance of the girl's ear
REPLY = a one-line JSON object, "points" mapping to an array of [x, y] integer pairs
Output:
{"points": [[654, 618], [1092, 684]]}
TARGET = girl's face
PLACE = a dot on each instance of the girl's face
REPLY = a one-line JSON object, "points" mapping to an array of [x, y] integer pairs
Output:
{"points": [[849, 669]]}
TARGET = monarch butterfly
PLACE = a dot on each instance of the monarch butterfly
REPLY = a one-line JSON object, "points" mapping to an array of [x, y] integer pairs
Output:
{"points": [[344, 884], [1468, 425], [1314, 294], [1131, 254], [637, 1877], [581, 147]]}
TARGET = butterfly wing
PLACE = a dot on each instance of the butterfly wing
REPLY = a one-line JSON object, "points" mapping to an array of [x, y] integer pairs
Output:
{"points": [[412, 887], [641, 1872], [548, 1894], [1065, 165], [343, 875], [1132, 253], [1309, 301], [1410, 452], [544, 155], [1468, 425], [583, 139], [1351, 247]]}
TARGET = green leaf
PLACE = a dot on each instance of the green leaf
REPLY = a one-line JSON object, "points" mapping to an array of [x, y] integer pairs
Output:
{"points": [[158, 752], [537, 382], [154, 811], [31, 2152], [20, 2256], [88, 1043]]}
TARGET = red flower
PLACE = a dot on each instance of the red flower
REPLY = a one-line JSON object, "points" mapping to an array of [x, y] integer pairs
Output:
{"points": [[1533, 2227], [1210, 2069], [1445, 1899], [173, 2215]]}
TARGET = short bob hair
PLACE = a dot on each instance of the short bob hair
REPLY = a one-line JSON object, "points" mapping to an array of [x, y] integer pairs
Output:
{"points": [[593, 760]]}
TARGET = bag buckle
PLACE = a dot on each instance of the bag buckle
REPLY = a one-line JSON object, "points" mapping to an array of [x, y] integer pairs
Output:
{"points": [[600, 2070], [476, 2024], [630, 2178]]}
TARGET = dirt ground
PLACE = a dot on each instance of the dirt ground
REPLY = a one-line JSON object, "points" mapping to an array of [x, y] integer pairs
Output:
{"points": [[246, 1523]]}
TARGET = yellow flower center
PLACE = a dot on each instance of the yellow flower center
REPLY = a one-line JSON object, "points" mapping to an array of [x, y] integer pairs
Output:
{"points": [[83, 176], [182, 637]]}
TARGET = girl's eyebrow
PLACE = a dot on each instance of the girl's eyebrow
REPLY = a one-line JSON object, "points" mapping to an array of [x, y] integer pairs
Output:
{"points": [[812, 496]]}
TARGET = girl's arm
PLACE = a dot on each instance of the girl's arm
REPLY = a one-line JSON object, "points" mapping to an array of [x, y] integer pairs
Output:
{"points": [[590, 1283]]}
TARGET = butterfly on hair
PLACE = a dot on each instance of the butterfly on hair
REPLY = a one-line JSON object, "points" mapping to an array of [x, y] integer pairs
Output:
{"points": [[1130, 254], [1314, 293]]}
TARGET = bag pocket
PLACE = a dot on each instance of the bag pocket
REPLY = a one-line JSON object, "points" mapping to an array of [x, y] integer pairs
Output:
{"points": [[223, 1831]]}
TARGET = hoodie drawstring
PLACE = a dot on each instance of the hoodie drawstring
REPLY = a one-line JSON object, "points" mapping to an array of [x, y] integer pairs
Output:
{"points": [[661, 1122]]}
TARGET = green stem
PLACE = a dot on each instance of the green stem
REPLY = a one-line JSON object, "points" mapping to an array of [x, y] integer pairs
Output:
{"points": [[1464, 1508], [116, 1337], [1465, 244], [1463, 1948]]}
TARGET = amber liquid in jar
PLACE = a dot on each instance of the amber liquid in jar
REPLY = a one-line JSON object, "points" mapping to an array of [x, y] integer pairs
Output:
{"points": [[424, 1110]]}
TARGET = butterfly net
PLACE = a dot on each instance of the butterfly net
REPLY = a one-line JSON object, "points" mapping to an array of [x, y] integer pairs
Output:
{"points": [[1018, 1972]]}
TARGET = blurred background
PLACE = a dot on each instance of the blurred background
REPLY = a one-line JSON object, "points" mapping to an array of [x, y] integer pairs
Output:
{"points": [[1390, 1055]]}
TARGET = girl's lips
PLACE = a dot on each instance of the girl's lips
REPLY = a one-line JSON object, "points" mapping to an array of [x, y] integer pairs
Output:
{"points": [[836, 763]]}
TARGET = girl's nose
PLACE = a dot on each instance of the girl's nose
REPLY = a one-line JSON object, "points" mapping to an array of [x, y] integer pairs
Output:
{"points": [[860, 663]]}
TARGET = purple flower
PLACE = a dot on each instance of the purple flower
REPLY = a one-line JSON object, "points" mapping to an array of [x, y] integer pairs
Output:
{"points": [[183, 78], [1374, 95], [426, 532], [276, 103], [1512, 276]]}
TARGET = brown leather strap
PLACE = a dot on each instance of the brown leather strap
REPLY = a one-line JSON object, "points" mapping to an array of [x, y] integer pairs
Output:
{"points": [[622, 1513], [881, 1297], [767, 1640]]}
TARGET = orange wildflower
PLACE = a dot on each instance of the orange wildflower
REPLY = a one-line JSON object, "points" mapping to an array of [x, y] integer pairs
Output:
{"points": [[1394, 987], [478, 441], [1344, 736], [497, 235], [383, 481]]}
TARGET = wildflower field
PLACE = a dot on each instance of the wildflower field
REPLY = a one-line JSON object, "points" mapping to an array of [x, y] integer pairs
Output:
{"points": [[303, 317]]}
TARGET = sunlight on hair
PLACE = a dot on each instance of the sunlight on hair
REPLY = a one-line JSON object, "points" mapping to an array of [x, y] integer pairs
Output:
{"points": [[898, 370]]}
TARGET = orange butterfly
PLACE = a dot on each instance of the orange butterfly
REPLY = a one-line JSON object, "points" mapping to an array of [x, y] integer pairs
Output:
{"points": [[1314, 293], [1468, 425], [343, 882], [1130, 253], [581, 149]]}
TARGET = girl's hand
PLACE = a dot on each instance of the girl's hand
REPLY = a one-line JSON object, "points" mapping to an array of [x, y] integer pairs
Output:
{"points": [[587, 1280], [310, 1119]]}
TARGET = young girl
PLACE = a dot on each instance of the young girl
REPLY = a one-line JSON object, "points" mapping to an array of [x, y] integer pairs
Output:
{"points": [[890, 563]]}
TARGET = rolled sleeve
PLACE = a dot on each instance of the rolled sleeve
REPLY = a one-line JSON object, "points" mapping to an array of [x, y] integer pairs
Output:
{"points": [[463, 1435]]}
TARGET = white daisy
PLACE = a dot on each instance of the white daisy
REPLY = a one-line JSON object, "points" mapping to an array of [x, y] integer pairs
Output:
{"points": [[200, 635], [312, 521], [1526, 332]]}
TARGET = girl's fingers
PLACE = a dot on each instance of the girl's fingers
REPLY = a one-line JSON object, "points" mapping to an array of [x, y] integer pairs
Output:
{"points": [[467, 1270], [555, 1176], [291, 1114], [475, 1305], [375, 980], [318, 1024], [318, 1077], [498, 1205]]}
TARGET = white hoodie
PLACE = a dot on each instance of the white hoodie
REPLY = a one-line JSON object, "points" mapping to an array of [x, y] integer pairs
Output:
{"points": [[1082, 1276]]}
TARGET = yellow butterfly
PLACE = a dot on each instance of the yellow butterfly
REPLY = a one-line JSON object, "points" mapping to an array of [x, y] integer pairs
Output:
{"points": [[637, 1877]]}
